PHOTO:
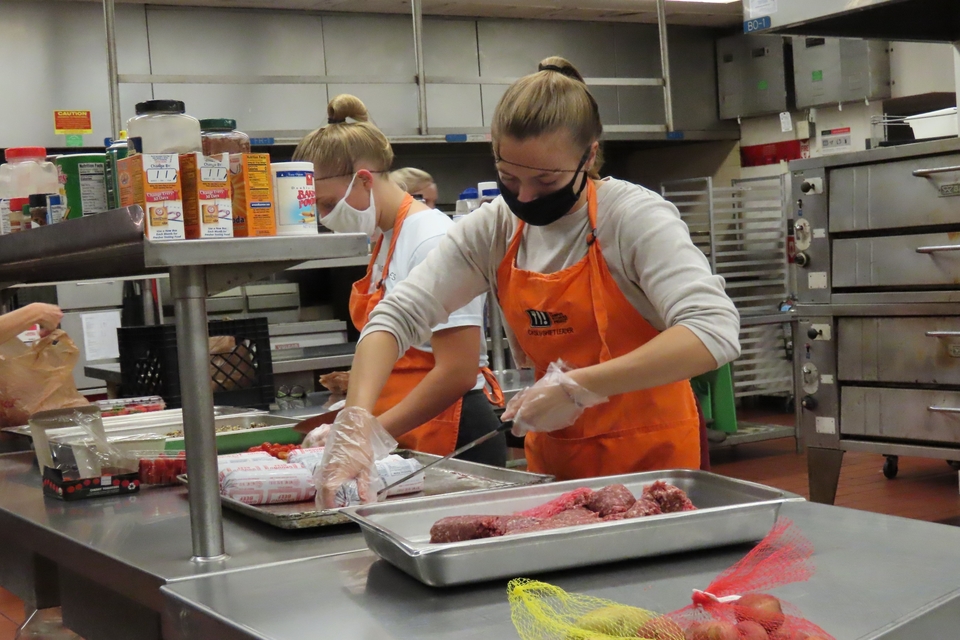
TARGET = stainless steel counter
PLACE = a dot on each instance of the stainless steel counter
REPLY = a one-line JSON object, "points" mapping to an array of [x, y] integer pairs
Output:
{"points": [[107, 372], [871, 570], [118, 551]]}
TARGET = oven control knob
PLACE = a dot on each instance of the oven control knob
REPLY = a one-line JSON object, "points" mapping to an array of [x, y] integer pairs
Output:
{"points": [[814, 333], [802, 259], [809, 403]]}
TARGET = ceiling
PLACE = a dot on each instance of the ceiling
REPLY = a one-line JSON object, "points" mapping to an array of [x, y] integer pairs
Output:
{"points": [[687, 12]]}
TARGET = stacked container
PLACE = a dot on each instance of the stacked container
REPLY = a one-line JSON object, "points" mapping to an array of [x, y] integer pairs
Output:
{"points": [[26, 172]]}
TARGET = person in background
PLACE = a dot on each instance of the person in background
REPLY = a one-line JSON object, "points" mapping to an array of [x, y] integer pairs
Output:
{"points": [[47, 316], [602, 291], [417, 183], [435, 399]]}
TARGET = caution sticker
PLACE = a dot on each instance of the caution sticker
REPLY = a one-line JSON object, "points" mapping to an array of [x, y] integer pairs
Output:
{"points": [[72, 122]]}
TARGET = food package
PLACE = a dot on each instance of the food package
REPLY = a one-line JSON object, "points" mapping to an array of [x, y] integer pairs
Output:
{"points": [[739, 597], [37, 378], [734, 605], [286, 483], [152, 181], [309, 457], [389, 470], [256, 465], [162, 468], [85, 465], [207, 206], [252, 187], [128, 406], [541, 611]]}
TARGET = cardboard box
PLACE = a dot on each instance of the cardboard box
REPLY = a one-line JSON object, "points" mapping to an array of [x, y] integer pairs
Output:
{"points": [[152, 180], [207, 206], [253, 212]]}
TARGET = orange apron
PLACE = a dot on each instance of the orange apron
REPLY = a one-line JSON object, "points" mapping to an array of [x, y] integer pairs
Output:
{"points": [[580, 315], [439, 435]]}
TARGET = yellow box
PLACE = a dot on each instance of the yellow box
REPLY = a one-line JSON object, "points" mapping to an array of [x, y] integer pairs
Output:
{"points": [[253, 212], [207, 206], [152, 180]]}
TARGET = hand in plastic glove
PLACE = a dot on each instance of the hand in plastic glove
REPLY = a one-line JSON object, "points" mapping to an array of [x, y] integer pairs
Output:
{"points": [[317, 437], [554, 402], [354, 444]]}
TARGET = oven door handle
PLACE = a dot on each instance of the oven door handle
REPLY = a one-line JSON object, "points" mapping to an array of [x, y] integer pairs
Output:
{"points": [[944, 409], [943, 334], [939, 248], [926, 173]]}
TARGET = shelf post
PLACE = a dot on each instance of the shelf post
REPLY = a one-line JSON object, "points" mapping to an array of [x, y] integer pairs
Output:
{"points": [[665, 63], [189, 290], [113, 80], [416, 7]]}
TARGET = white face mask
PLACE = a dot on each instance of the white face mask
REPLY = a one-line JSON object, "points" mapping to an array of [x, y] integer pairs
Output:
{"points": [[345, 219]]}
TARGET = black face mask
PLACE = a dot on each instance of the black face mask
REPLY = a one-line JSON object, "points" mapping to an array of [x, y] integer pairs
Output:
{"points": [[549, 208]]}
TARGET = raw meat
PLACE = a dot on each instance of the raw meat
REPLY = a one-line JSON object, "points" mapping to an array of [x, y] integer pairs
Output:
{"points": [[670, 498], [610, 500], [569, 500], [643, 507], [459, 528], [578, 507], [517, 524]]}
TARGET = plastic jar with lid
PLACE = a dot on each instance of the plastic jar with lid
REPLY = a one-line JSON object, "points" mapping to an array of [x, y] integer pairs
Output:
{"points": [[27, 171], [220, 135], [163, 127]]}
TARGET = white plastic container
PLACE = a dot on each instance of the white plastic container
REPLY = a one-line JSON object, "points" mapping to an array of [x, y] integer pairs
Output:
{"points": [[488, 192], [295, 197], [26, 172], [163, 127]]}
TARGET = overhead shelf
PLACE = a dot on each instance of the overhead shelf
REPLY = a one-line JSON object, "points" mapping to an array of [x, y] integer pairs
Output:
{"points": [[112, 244]]}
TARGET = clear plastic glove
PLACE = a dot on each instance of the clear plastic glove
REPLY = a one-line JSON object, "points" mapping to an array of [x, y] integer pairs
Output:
{"points": [[553, 403], [317, 437], [355, 442]]}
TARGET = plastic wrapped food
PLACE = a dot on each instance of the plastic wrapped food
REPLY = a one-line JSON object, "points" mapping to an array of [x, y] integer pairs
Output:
{"points": [[162, 469], [309, 458], [261, 466], [127, 406], [287, 483], [610, 500]]}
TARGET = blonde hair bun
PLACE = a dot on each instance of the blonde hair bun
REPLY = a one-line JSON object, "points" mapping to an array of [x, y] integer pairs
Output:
{"points": [[346, 106], [560, 65]]}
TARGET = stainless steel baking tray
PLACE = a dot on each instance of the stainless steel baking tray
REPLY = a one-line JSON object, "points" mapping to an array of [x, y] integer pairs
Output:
{"points": [[167, 417], [729, 512], [449, 477]]}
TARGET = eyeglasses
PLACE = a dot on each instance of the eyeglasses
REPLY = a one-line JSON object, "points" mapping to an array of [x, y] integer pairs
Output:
{"points": [[498, 159]]}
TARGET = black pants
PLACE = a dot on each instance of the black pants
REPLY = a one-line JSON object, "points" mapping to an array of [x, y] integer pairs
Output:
{"points": [[477, 418]]}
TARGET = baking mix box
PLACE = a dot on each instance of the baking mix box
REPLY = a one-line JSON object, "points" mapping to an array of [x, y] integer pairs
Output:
{"points": [[253, 211], [152, 180], [207, 205]]}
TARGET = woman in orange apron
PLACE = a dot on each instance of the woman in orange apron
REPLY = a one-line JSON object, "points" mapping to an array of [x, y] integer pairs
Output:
{"points": [[430, 404], [603, 293]]}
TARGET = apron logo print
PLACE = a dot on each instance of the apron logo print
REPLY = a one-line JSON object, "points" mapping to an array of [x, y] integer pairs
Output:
{"points": [[543, 319]]}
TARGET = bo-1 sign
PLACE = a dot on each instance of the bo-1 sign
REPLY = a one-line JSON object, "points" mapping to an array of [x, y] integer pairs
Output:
{"points": [[757, 24]]}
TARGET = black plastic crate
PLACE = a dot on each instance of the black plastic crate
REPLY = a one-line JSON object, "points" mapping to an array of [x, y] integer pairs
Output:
{"points": [[241, 376]]}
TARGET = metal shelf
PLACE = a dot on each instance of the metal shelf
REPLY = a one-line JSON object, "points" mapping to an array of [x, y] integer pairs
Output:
{"points": [[112, 244]]}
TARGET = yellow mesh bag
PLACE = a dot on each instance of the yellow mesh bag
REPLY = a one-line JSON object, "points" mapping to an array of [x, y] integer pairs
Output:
{"points": [[542, 611]]}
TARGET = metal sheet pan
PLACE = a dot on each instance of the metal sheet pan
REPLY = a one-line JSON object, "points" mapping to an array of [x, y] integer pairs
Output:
{"points": [[166, 417], [450, 477], [729, 512]]}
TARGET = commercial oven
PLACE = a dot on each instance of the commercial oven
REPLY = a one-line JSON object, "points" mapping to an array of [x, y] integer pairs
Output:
{"points": [[877, 268]]}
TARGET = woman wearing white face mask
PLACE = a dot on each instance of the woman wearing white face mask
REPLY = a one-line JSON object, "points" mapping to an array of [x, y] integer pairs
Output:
{"points": [[431, 404]]}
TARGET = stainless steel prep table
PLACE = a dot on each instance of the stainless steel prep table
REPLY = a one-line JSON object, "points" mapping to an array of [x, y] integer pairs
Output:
{"points": [[104, 560], [871, 571]]}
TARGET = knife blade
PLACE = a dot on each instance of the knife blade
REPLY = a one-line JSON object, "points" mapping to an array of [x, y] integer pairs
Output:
{"points": [[503, 428]]}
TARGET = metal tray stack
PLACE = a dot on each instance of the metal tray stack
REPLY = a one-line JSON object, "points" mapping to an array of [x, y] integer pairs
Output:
{"points": [[729, 512], [449, 477]]}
